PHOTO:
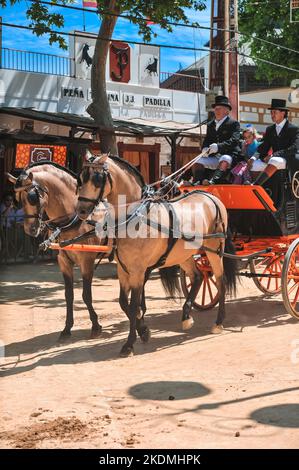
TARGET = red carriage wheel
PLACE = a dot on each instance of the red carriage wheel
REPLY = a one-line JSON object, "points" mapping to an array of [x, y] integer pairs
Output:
{"points": [[290, 280], [207, 295], [271, 266]]}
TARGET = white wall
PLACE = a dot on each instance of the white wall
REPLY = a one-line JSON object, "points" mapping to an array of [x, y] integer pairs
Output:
{"points": [[46, 93]]}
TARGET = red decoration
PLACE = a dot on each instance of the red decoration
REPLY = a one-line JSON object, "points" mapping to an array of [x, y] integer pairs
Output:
{"points": [[30, 153], [120, 62]]}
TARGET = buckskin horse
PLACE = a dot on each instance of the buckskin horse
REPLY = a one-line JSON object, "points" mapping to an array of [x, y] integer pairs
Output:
{"points": [[104, 177], [47, 189]]}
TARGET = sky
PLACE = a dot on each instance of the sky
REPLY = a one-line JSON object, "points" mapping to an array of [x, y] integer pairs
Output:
{"points": [[171, 59]]}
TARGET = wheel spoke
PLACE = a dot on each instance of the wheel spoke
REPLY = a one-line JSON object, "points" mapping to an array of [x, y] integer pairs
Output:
{"points": [[203, 291], [209, 289], [296, 298]]}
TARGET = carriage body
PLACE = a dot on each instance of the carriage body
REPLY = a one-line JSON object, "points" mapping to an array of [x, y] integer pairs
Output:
{"points": [[257, 224]]}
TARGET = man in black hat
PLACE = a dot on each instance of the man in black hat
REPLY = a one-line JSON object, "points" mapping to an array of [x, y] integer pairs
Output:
{"points": [[221, 144], [282, 137]]}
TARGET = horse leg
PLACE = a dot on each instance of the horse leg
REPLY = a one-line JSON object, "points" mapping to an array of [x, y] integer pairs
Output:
{"points": [[87, 270], [128, 347], [96, 328], [142, 329], [66, 267], [217, 267], [196, 280]]}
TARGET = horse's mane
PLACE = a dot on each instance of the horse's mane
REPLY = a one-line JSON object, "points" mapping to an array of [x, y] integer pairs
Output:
{"points": [[64, 174], [56, 165], [129, 168]]}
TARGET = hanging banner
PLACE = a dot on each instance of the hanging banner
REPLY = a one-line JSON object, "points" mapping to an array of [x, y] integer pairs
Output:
{"points": [[33, 153], [149, 68], [120, 62]]}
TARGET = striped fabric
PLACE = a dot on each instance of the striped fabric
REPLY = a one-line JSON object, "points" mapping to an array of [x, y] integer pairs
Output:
{"points": [[90, 3]]}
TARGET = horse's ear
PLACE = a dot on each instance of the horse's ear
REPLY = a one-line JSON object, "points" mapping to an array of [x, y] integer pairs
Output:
{"points": [[30, 176], [87, 155], [11, 178]]}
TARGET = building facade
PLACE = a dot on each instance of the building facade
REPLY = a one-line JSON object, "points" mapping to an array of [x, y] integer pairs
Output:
{"points": [[61, 86]]}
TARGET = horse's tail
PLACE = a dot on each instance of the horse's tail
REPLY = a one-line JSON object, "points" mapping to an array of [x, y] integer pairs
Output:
{"points": [[170, 281], [230, 266]]}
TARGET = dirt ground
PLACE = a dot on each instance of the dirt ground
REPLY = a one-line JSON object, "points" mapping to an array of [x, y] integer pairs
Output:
{"points": [[181, 390]]}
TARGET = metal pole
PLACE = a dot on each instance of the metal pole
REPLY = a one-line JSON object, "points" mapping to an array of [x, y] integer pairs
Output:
{"points": [[234, 64], [0, 42], [211, 46], [226, 46], [237, 58]]}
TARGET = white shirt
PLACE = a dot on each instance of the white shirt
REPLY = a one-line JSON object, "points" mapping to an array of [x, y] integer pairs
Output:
{"points": [[280, 126], [218, 123], [278, 131]]}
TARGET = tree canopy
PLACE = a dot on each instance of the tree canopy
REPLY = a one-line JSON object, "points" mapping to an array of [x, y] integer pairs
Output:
{"points": [[269, 20], [160, 12]]}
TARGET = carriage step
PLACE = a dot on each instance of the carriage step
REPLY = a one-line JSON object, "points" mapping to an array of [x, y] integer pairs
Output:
{"points": [[291, 214]]}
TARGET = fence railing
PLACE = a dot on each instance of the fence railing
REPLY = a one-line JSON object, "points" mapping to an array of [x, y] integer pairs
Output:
{"points": [[39, 62], [16, 246]]}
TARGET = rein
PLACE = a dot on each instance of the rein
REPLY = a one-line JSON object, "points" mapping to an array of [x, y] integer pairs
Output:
{"points": [[106, 176], [33, 191]]}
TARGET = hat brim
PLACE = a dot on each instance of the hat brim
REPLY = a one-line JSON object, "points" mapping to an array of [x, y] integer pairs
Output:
{"points": [[278, 109], [222, 104]]}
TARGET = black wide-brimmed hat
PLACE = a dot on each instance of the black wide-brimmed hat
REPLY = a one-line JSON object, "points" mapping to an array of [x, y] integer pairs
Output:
{"points": [[278, 104], [222, 101]]}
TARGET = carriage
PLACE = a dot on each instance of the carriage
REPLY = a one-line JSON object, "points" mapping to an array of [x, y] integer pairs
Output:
{"points": [[264, 228], [266, 238]]}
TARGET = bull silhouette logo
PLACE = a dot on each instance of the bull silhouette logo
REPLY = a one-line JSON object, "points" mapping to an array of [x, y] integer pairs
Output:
{"points": [[152, 67], [85, 56]]}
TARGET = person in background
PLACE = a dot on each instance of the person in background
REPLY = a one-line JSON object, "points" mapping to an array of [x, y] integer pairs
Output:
{"points": [[221, 145], [240, 172], [7, 211], [282, 137]]}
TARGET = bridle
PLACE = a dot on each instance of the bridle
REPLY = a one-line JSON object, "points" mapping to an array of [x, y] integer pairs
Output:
{"points": [[99, 180], [35, 193]]}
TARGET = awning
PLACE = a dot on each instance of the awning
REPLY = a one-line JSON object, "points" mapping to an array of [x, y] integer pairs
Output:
{"points": [[129, 127]]}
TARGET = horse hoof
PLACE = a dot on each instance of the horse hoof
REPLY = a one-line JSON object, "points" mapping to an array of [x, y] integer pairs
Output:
{"points": [[187, 324], [145, 335], [95, 332], [216, 329], [126, 351], [64, 336]]}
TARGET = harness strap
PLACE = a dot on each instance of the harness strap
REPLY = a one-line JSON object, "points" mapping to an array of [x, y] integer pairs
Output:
{"points": [[171, 241], [73, 223]]}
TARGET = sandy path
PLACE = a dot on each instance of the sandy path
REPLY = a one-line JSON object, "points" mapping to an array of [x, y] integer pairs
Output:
{"points": [[182, 390]]}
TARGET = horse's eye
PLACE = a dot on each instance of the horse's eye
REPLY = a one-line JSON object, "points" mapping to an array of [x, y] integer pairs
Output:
{"points": [[85, 176], [79, 182], [33, 197], [97, 179]]}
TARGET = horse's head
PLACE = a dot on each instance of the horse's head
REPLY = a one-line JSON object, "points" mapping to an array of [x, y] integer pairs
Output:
{"points": [[34, 199], [94, 183]]}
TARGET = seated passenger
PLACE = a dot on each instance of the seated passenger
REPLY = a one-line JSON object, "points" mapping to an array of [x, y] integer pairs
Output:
{"points": [[282, 137], [222, 144], [250, 144]]}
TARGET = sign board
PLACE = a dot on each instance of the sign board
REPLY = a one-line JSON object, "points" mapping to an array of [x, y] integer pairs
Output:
{"points": [[133, 64], [32, 153], [294, 11]]}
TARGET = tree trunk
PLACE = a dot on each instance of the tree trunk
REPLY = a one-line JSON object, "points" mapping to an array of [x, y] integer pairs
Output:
{"points": [[99, 109]]}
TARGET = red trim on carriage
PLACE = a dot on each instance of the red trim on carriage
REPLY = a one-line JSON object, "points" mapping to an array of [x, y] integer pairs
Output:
{"points": [[235, 196]]}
